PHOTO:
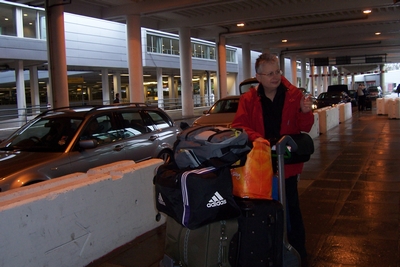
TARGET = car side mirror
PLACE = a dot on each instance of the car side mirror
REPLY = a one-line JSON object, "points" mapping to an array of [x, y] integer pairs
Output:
{"points": [[88, 144]]}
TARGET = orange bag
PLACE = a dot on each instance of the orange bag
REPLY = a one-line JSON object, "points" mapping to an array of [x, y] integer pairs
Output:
{"points": [[254, 179]]}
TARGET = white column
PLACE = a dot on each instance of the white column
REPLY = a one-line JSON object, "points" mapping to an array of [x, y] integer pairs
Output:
{"points": [[312, 83], [304, 73], [134, 47], [330, 76], [171, 86], [34, 85], [20, 84], [382, 78], [319, 83], [160, 90], [117, 85], [186, 72], [202, 79], [105, 87], [57, 56], [293, 64], [325, 79], [19, 22], [246, 60], [222, 76]]}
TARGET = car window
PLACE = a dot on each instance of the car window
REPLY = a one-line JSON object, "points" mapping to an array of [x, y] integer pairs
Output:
{"points": [[102, 130], [45, 135], [157, 118], [133, 123]]}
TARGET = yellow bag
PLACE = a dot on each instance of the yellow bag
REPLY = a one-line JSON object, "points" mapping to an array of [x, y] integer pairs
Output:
{"points": [[254, 179]]}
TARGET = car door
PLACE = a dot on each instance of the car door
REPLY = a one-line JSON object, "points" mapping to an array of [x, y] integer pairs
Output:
{"points": [[110, 143], [141, 139]]}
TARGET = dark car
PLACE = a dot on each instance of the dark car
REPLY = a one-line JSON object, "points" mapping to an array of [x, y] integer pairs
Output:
{"points": [[328, 99], [221, 113], [374, 92], [74, 139]]}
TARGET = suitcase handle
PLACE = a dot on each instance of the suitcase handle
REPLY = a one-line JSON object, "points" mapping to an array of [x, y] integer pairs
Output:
{"points": [[285, 140]]}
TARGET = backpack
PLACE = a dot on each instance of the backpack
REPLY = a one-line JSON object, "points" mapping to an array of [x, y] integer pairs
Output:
{"points": [[210, 146]]}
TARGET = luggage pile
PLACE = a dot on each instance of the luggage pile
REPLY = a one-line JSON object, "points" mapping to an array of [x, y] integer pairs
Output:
{"points": [[206, 224]]}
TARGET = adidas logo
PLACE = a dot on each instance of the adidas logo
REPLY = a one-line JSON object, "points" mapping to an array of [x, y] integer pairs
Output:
{"points": [[216, 200], [161, 200]]}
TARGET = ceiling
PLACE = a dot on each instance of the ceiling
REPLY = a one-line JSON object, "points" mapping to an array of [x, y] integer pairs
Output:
{"points": [[312, 28]]}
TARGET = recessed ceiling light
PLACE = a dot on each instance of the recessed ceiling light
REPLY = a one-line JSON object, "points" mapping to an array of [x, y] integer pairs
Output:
{"points": [[240, 24], [377, 33], [284, 41], [367, 11]]}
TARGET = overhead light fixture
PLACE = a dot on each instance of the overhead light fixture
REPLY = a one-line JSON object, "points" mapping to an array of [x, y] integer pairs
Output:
{"points": [[367, 11], [240, 24], [284, 41], [377, 33]]}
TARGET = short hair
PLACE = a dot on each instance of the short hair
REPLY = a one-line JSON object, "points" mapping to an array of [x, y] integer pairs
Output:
{"points": [[265, 58]]}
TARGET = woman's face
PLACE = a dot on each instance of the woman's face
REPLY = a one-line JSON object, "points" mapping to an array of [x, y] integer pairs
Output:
{"points": [[269, 75]]}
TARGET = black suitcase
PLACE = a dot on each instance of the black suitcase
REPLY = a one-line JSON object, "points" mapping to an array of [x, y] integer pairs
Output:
{"points": [[259, 241], [368, 104], [262, 236]]}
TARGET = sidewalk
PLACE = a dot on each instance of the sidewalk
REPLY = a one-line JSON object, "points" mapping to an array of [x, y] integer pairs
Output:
{"points": [[349, 195]]}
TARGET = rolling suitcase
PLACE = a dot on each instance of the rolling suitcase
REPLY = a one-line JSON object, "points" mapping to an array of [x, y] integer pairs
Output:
{"points": [[206, 246], [262, 238]]}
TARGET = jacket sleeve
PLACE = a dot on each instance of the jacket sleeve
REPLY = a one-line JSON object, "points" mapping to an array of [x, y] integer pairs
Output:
{"points": [[247, 117]]}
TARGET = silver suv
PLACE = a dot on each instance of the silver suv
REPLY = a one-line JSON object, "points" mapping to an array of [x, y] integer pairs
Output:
{"points": [[75, 139]]}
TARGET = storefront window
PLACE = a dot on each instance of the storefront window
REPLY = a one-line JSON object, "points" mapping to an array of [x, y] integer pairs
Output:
{"points": [[7, 21], [29, 23]]}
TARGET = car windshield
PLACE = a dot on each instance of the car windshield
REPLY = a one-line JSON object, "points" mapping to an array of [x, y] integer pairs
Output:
{"points": [[225, 106], [43, 135]]}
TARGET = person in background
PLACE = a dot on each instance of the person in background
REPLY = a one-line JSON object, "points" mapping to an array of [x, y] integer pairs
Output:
{"points": [[272, 109], [116, 100], [361, 97], [398, 90]]}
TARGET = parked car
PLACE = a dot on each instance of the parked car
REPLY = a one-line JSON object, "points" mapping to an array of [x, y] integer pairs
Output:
{"points": [[221, 113], [374, 92], [75, 139], [327, 99]]}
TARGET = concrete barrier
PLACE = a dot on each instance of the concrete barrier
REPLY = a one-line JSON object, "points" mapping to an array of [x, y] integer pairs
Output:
{"points": [[380, 106], [314, 132], [328, 118], [76, 219], [345, 112]]}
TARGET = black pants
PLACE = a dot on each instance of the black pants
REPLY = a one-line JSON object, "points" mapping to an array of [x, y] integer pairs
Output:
{"points": [[296, 231], [361, 102]]}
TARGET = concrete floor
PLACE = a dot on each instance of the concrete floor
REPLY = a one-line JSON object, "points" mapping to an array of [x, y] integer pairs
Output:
{"points": [[349, 195]]}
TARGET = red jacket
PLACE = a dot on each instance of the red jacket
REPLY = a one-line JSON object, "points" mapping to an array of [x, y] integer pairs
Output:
{"points": [[249, 117]]}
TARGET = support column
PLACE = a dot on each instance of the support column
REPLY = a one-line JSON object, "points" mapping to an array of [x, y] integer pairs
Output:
{"points": [[325, 78], [303, 82], [34, 85], [105, 87], [58, 78], [319, 89], [222, 76], [382, 78], [20, 84], [186, 72], [246, 61], [171, 86], [202, 89], [117, 85], [160, 89], [293, 64], [135, 67], [312, 84]]}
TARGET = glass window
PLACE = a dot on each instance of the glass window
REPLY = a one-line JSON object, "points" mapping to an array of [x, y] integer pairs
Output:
{"points": [[42, 25], [160, 120], [231, 55], [29, 23], [134, 124], [7, 21], [175, 46]]}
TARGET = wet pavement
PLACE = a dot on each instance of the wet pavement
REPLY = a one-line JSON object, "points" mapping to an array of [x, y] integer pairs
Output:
{"points": [[349, 195]]}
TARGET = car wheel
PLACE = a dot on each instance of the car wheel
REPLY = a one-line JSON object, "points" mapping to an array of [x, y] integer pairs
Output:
{"points": [[165, 155]]}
